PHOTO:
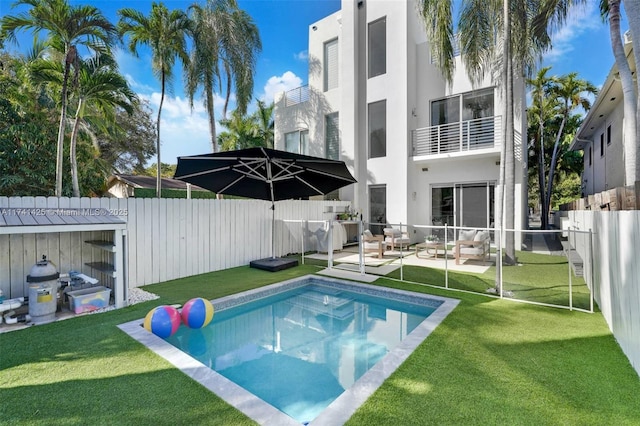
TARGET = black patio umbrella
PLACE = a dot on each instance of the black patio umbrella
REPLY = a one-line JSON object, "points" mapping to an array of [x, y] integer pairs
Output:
{"points": [[264, 174]]}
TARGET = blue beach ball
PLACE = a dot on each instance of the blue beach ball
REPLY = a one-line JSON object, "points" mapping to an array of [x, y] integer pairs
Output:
{"points": [[197, 313], [163, 321]]}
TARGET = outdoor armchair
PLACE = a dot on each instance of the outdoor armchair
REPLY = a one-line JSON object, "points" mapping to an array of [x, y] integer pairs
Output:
{"points": [[472, 244], [373, 243]]}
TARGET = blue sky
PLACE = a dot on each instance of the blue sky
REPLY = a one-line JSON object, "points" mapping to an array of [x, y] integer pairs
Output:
{"points": [[582, 46]]}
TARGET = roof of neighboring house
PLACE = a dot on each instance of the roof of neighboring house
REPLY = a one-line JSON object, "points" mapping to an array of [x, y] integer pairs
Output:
{"points": [[609, 97], [138, 181]]}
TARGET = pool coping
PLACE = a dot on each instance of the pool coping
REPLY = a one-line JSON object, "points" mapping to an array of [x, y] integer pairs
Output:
{"points": [[343, 407]]}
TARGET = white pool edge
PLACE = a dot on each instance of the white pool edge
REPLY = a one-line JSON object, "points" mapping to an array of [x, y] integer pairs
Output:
{"points": [[340, 410]]}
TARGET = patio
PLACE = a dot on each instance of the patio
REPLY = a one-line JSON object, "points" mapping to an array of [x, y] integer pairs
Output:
{"points": [[489, 362]]}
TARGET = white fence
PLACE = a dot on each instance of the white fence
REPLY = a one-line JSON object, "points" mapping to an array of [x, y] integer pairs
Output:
{"points": [[616, 271], [165, 238]]}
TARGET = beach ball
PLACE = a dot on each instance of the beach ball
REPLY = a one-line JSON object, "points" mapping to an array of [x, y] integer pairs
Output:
{"points": [[162, 321], [197, 312]]}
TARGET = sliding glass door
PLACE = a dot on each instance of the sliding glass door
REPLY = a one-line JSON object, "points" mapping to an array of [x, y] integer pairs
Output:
{"points": [[466, 204]]}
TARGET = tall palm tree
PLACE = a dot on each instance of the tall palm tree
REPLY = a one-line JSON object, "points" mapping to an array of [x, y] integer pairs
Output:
{"points": [[610, 10], [100, 89], [226, 46], [496, 38], [164, 32], [570, 91], [67, 27], [542, 107]]}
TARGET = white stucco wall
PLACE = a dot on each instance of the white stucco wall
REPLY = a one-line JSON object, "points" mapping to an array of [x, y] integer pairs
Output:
{"points": [[410, 83]]}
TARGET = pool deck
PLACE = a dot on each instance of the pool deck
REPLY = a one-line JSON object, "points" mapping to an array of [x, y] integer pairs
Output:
{"points": [[341, 409]]}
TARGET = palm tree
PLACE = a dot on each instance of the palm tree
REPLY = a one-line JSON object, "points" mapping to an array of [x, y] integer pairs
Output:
{"points": [[67, 28], [569, 90], [263, 118], [164, 32], [100, 89], [611, 9], [542, 107], [492, 33], [242, 132], [226, 37]]}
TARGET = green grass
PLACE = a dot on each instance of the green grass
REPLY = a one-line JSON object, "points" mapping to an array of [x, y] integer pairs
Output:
{"points": [[490, 362]]}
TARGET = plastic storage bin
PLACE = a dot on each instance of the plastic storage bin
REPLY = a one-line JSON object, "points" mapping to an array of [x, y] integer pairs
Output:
{"points": [[89, 299]]}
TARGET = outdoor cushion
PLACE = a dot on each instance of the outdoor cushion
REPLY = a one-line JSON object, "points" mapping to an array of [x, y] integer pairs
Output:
{"points": [[467, 235], [392, 232], [481, 236], [367, 233]]}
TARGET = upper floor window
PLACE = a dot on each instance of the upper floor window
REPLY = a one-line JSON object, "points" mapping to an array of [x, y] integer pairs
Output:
{"points": [[377, 47], [378, 129], [332, 136], [609, 134], [331, 64], [297, 142], [467, 106], [602, 145]]}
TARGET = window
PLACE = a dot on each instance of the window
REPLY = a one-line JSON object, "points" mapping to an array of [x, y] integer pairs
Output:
{"points": [[602, 145], [377, 47], [377, 208], [468, 106], [378, 129], [332, 136], [297, 142], [609, 135], [331, 64], [590, 155]]}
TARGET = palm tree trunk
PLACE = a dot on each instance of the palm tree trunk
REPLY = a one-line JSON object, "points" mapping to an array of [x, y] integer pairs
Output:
{"points": [[631, 151], [72, 152], [554, 160], [541, 183], [544, 219], [159, 170], [211, 116], [509, 167], [69, 58]]}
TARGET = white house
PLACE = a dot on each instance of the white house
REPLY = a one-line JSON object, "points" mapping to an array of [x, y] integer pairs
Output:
{"points": [[601, 133], [422, 151]]}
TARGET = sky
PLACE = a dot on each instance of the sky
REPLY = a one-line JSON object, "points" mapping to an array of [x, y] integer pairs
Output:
{"points": [[581, 46]]}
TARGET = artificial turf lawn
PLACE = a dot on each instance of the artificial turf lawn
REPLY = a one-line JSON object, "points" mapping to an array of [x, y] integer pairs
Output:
{"points": [[490, 362]]}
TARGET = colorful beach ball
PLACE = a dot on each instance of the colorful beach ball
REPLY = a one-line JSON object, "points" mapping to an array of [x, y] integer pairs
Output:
{"points": [[162, 321], [197, 312]]}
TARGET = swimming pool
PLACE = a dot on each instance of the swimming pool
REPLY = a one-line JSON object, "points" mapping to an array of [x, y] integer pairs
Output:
{"points": [[309, 349]]}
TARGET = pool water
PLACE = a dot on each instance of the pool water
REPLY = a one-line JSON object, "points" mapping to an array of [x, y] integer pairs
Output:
{"points": [[300, 349]]}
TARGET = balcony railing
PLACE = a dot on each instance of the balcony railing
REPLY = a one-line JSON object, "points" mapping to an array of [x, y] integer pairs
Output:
{"points": [[296, 96], [480, 133]]}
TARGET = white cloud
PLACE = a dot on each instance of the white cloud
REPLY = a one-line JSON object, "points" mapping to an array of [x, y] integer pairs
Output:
{"points": [[275, 85], [581, 20], [302, 55], [182, 131]]}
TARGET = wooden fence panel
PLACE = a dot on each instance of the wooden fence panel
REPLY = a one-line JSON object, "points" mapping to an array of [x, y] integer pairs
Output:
{"points": [[165, 239]]}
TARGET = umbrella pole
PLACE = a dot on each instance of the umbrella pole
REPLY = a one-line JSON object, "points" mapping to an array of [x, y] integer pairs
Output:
{"points": [[273, 224]]}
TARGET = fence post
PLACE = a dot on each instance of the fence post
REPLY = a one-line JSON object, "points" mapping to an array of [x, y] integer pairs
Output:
{"points": [[330, 245], [446, 258], [360, 251], [568, 254], [302, 233], [401, 255], [591, 270]]}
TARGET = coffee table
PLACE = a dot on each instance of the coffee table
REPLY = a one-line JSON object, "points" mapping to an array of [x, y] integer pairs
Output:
{"points": [[431, 248]]}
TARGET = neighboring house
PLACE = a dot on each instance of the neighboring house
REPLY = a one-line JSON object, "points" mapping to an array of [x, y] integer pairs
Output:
{"points": [[600, 135], [124, 186], [422, 151]]}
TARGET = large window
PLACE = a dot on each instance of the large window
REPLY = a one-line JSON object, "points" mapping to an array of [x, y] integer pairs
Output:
{"points": [[297, 142], [377, 47], [377, 208], [467, 106], [378, 129], [331, 64], [332, 136]]}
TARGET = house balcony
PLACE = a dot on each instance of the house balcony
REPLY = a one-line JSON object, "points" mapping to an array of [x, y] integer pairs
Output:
{"points": [[296, 96], [481, 136]]}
